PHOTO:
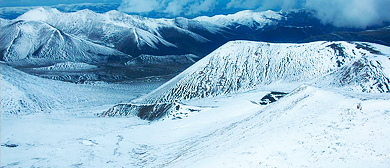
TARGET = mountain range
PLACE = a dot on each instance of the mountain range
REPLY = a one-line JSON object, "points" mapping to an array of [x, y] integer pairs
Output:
{"points": [[46, 36]]}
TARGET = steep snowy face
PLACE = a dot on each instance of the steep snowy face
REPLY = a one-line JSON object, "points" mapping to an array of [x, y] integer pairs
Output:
{"points": [[36, 43], [370, 73], [241, 65]]}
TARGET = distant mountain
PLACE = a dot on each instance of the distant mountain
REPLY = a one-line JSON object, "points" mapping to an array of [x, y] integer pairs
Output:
{"points": [[133, 35], [379, 36], [241, 66], [14, 12], [250, 19], [136, 35], [31, 43]]}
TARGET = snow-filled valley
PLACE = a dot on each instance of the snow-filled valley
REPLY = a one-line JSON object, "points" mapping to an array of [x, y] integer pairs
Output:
{"points": [[329, 107]]}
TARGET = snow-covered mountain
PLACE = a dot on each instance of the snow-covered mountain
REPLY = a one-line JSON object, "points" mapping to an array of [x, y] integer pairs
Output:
{"points": [[128, 33], [251, 19], [14, 12], [27, 43], [45, 36], [135, 35], [241, 66]]}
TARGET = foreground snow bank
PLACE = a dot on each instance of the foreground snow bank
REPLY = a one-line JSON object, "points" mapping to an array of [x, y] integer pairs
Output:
{"points": [[309, 127]]}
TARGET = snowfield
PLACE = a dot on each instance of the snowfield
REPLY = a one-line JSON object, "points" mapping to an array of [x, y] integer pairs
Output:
{"points": [[22, 93], [310, 127], [326, 119]]}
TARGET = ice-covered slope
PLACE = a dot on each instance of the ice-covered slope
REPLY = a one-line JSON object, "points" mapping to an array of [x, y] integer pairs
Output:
{"points": [[26, 43], [241, 66]]}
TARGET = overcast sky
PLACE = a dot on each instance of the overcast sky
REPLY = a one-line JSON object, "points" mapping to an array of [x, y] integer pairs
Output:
{"points": [[350, 13]]}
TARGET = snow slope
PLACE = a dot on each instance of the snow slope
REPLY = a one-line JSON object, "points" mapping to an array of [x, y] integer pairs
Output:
{"points": [[23, 94], [327, 126], [241, 66], [310, 127]]}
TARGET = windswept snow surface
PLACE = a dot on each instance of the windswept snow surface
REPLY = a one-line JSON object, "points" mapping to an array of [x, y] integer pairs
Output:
{"points": [[310, 127], [23, 94]]}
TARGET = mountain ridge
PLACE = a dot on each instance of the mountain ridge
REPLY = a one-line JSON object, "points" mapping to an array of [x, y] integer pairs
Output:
{"points": [[121, 37], [241, 66]]}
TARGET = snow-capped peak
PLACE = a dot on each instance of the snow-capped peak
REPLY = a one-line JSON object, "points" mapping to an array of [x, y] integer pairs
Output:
{"points": [[38, 14], [247, 17]]}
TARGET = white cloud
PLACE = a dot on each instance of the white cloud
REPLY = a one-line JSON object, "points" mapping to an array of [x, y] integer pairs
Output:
{"points": [[137, 6], [199, 7], [176, 7], [351, 13]]}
